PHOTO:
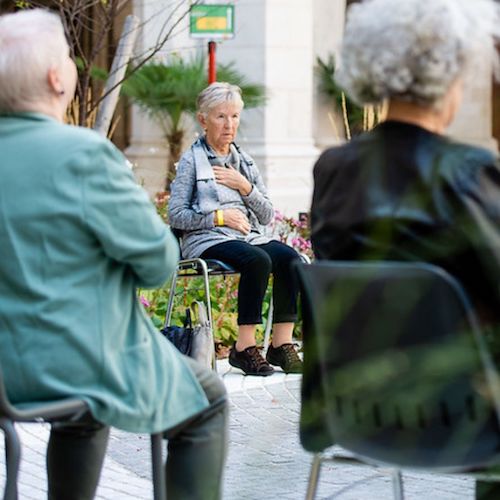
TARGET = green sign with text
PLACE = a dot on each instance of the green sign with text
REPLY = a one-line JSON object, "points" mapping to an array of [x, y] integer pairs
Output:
{"points": [[215, 21]]}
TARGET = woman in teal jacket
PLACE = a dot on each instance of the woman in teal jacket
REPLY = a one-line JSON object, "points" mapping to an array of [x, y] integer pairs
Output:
{"points": [[78, 236]]}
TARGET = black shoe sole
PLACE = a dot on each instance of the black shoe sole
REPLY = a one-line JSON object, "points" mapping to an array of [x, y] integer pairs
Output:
{"points": [[255, 374], [298, 372], [279, 366]]}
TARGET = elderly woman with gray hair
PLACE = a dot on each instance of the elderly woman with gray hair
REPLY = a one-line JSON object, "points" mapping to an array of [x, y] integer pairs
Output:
{"points": [[403, 191], [219, 202], [78, 236]]}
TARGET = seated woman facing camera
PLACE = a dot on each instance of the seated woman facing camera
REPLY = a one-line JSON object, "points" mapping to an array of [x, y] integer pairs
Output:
{"points": [[404, 191], [219, 202]]}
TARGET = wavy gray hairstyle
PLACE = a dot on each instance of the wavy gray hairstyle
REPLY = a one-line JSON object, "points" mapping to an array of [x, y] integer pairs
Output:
{"points": [[31, 42], [413, 50], [217, 93]]}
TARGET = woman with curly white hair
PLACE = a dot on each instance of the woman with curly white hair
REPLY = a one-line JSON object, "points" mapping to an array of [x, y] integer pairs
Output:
{"points": [[404, 191]]}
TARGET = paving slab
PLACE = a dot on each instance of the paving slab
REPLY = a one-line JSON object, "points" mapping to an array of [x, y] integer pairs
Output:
{"points": [[265, 459]]}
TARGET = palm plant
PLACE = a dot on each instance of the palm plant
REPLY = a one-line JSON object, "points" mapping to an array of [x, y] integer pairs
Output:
{"points": [[351, 112], [356, 118], [167, 93]]}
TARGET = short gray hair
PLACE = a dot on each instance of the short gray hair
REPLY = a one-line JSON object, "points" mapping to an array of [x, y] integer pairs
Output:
{"points": [[31, 42], [217, 93], [413, 50]]}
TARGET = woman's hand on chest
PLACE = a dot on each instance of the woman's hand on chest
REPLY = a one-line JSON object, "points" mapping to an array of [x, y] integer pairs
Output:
{"points": [[230, 177]]}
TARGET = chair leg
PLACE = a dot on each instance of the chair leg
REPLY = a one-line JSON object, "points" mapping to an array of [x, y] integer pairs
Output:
{"points": [[12, 458], [312, 485], [397, 485], [171, 298], [206, 284], [159, 481], [269, 325]]}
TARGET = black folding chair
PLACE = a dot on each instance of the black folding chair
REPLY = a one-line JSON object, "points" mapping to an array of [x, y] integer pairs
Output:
{"points": [[55, 411], [396, 371]]}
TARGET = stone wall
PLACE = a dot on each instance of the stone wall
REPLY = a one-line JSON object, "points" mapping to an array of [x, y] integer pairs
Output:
{"points": [[276, 44]]}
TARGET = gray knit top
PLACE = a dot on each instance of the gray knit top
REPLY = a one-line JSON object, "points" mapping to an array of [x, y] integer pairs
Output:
{"points": [[195, 195]]}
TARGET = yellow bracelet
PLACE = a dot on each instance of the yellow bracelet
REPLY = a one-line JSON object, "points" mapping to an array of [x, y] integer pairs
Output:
{"points": [[220, 217]]}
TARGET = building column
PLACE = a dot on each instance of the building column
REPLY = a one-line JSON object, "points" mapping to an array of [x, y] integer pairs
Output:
{"points": [[329, 21], [474, 121], [274, 46]]}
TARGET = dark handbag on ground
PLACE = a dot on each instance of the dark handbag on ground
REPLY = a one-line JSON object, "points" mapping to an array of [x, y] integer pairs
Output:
{"points": [[181, 336]]}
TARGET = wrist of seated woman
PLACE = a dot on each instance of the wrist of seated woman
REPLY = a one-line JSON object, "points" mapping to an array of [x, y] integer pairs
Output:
{"points": [[219, 217], [247, 193]]}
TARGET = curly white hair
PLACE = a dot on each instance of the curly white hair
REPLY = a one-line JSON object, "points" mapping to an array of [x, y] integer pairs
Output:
{"points": [[414, 50]]}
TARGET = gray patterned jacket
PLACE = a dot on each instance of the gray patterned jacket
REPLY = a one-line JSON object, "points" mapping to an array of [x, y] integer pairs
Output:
{"points": [[195, 195]]}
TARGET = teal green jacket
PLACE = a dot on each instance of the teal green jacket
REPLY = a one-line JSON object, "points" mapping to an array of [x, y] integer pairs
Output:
{"points": [[77, 237]]}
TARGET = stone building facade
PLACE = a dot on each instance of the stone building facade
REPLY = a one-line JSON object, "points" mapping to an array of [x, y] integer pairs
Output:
{"points": [[276, 44]]}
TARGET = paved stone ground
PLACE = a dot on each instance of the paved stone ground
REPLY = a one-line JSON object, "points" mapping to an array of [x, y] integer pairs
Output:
{"points": [[265, 458]]}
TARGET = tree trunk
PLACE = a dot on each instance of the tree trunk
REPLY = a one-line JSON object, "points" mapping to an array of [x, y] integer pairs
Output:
{"points": [[117, 74], [174, 139]]}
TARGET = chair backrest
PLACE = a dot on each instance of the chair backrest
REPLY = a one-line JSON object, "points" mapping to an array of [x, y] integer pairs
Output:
{"points": [[177, 233], [395, 366], [5, 405]]}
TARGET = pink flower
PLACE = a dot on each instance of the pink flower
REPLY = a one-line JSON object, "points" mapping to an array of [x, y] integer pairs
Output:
{"points": [[161, 198], [278, 216], [144, 301]]}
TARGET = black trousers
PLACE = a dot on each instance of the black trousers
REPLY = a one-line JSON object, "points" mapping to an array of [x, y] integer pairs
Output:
{"points": [[195, 460], [255, 263]]}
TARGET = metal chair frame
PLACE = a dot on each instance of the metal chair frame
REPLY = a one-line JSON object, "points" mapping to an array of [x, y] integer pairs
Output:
{"points": [[201, 268], [196, 268], [55, 411]]}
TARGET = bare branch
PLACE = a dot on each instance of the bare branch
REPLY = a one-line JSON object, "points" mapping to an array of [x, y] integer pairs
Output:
{"points": [[141, 59], [88, 23], [120, 62]]}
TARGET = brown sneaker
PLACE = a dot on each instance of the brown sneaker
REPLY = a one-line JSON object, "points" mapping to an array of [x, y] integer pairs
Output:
{"points": [[286, 357], [250, 361]]}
